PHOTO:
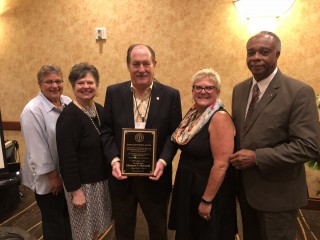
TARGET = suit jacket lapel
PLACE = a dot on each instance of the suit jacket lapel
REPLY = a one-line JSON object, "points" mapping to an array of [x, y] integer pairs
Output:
{"points": [[269, 94], [128, 104], [156, 99]]}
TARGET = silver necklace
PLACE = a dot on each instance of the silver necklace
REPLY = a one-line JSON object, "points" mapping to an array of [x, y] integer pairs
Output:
{"points": [[91, 112]]}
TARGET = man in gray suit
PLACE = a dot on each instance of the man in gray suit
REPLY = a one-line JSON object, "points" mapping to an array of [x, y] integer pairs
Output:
{"points": [[277, 132]]}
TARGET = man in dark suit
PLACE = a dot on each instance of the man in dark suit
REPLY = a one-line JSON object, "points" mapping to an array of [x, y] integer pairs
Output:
{"points": [[142, 103], [277, 133]]}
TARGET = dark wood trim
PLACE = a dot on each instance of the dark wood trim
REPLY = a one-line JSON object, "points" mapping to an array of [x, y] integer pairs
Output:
{"points": [[15, 126]]}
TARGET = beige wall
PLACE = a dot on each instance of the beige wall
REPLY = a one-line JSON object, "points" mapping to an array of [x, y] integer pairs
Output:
{"points": [[186, 35]]}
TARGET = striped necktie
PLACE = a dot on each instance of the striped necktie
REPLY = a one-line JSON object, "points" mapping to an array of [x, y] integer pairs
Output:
{"points": [[252, 106]]}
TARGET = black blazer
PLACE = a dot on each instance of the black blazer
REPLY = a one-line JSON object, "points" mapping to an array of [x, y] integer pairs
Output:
{"points": [[164, 115]]}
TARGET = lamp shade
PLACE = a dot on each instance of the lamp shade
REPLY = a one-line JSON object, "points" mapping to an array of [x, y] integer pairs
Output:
{"points": [[262, 8]]}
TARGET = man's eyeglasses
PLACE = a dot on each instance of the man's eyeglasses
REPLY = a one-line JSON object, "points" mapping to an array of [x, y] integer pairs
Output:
{"points": [[50, 82], [207, 89]]}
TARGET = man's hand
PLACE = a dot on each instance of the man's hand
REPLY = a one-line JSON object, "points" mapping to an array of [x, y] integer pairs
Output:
{"points": [[243, 159], [158, 171], [55, 182], [116, 171]]}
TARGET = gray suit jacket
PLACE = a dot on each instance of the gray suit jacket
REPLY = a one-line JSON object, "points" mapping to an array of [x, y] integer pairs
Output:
{"points": [[284, 131]]}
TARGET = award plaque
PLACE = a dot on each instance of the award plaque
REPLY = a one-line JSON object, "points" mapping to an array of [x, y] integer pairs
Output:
{"points": [[138, 152]]}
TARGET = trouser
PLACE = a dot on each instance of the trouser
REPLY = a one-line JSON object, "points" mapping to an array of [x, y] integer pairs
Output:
{"points": [[55, 217], [266, 225], [125, 211]]}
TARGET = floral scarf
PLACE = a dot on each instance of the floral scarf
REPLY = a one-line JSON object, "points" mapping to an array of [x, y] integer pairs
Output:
{"points": [[191, 124]]}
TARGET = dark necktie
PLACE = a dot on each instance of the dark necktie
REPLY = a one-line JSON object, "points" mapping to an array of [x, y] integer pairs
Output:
{"points": [[252, 106]]}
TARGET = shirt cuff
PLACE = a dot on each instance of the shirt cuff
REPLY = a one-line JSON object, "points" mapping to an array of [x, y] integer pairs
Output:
{"points": [[116, 159], [163, 161]]}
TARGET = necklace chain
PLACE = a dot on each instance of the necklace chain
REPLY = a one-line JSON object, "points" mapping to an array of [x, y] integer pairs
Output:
{"points": [[91, 112]]}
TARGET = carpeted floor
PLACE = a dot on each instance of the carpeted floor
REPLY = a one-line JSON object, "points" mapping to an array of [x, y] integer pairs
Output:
{"points": [[25, 218]]}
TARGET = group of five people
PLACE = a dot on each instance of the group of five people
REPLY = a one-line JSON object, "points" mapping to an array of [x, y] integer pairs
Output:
{"points": [[257, 153]]}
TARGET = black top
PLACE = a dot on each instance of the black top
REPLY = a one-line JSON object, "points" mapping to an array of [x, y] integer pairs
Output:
{"points": [[81, 159]]}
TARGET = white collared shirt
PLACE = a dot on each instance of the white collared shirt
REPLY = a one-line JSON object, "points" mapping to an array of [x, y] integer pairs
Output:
{"points": [[38, 125]]}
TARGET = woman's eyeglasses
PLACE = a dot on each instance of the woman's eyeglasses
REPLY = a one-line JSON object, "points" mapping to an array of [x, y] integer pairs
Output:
{"points": [[207, 89], [50, 82]]}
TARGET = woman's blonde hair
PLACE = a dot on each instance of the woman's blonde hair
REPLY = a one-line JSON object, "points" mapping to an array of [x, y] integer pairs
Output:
{"points": [[207, 73]]}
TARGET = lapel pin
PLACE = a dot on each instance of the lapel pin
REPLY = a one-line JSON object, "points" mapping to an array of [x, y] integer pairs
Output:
{"points": [[158, 98], [270, 95]]}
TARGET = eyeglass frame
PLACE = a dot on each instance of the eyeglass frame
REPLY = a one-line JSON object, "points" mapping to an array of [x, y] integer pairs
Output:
{"points": [[207, 89], [50, 82]]}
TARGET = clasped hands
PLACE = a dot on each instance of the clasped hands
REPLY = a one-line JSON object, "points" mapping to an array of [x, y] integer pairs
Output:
{"points": [[243, 158], [116, 171]]}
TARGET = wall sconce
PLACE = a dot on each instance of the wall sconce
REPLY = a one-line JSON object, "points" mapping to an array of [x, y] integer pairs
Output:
{"points": [[262, 14]]}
